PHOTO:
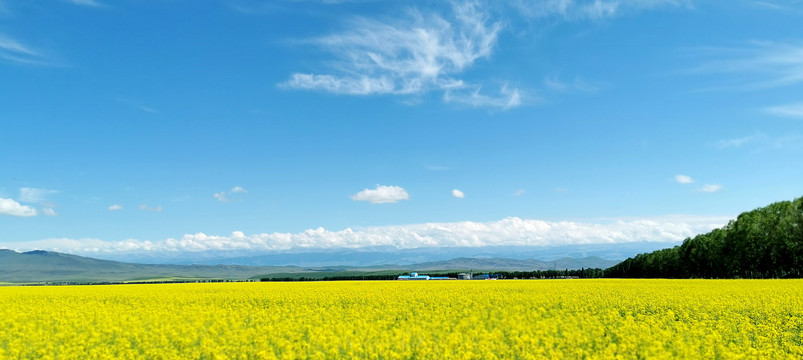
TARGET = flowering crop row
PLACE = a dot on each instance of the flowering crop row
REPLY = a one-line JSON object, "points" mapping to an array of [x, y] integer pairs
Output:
{"points": [[511, 319]]}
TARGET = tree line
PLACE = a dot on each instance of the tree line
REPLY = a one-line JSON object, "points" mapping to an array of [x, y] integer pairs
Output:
{"points": [[764, 243], [535, 274]]}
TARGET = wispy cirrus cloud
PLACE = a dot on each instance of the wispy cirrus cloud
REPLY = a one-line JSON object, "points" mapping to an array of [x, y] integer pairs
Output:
{"points": [[413, 55], [578, 84], [145, 207], [781, 6], [137, 104], [760, 141], [505, 99], [90, 3], [789, 110], [741, 141], [39, 196], [15, 52], [35, 195], [425, 52], [759, 65], [577, 10]]}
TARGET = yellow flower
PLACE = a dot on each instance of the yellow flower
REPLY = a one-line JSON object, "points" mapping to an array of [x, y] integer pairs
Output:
{"points": [[511, 319]]}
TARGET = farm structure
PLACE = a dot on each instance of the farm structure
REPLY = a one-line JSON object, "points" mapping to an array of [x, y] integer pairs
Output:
{"points": [[417, 276], [460, 276]]}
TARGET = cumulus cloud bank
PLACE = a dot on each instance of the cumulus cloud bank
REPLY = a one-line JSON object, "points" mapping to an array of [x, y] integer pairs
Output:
{"points": [[511, 231]]}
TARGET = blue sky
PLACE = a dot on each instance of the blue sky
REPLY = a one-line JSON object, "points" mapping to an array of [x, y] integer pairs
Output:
{"points": [[189, 126]]}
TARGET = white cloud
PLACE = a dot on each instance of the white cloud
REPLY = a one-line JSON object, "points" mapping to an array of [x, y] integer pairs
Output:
{"points": [[14, 51], [739, 142], [573, 10], [787, 7], [115, 207], [710, 188], [519, 192], [221, 196], [578, 84], [34, 195], [789, 110], [12, 46], [410, 55], [144, 207], [363, 85], [426, 52], [381, 195], [13, 208], [506, 232], [761, 141], [758, 66], [226, 197], [505, 99], [39, 196], [458, 194], [683, 179]]}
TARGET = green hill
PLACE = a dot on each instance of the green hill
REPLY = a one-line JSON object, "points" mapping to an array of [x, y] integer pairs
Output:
{"points": [[764, 243], [46, 266]]}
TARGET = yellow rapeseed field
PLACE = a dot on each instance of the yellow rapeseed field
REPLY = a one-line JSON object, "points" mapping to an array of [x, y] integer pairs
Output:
{"points": [[509, 319]]}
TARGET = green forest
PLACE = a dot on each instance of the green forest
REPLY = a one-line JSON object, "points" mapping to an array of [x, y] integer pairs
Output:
{"points": [[764, 243]]}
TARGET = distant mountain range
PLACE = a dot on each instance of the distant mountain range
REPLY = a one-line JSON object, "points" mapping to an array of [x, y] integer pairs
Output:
{"points": [[499, 264], [47, 266], [380, 256]]}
